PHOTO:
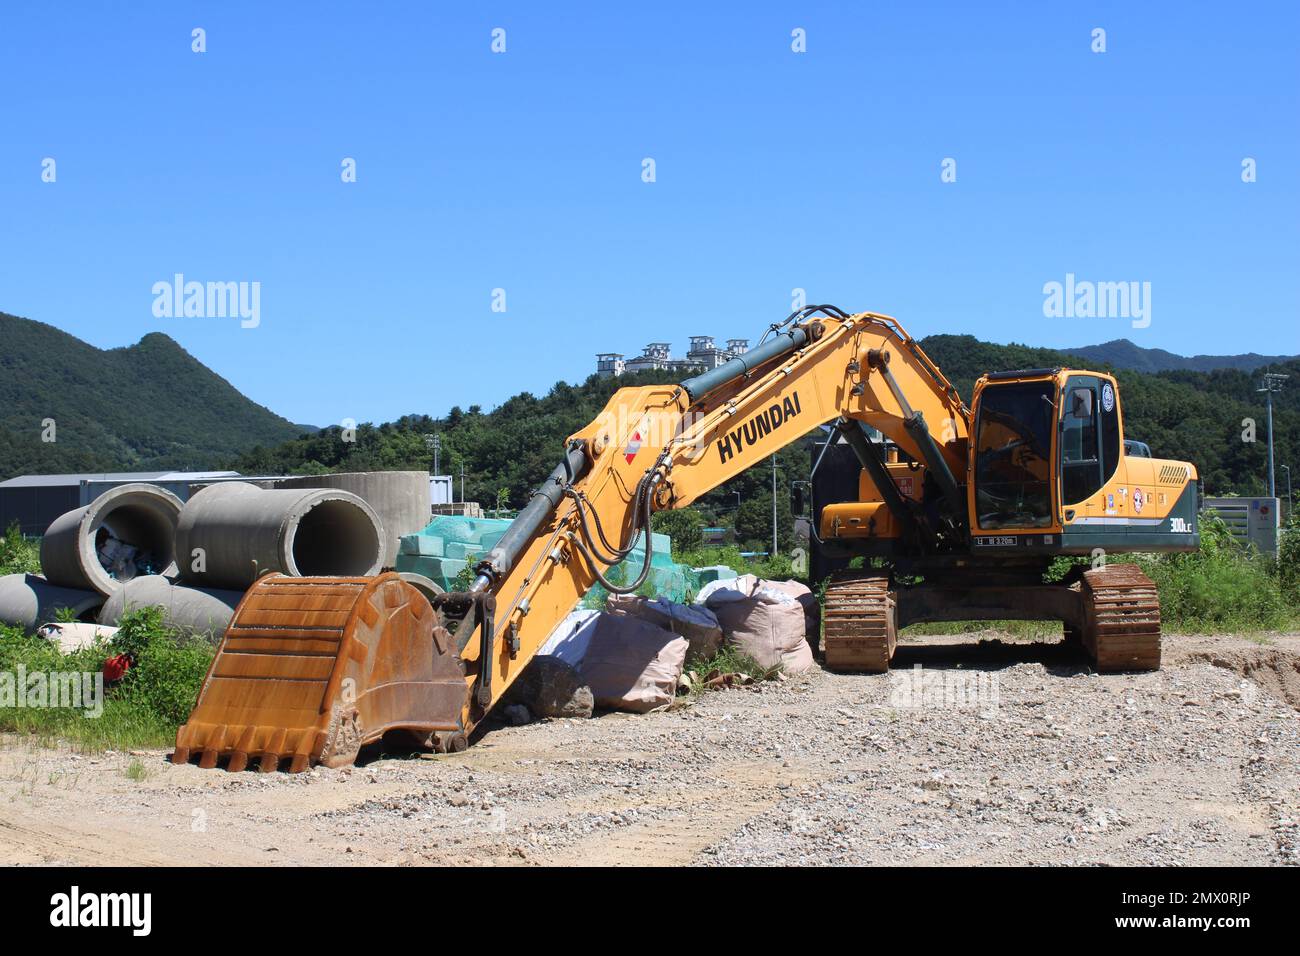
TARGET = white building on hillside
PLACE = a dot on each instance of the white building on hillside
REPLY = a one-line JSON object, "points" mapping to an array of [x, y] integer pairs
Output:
{"points": [[702, 355]]}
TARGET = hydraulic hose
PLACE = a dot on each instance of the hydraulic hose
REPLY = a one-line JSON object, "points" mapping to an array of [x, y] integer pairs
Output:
{"points": [[643, 498]]}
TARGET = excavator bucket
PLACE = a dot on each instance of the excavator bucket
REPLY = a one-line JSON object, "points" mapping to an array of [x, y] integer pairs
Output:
{"points": [[312, 669]]}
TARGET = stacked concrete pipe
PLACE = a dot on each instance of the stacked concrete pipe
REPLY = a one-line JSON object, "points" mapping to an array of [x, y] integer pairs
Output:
{"points": [[28, 601], [199, 612], [141, 514], [400, 498], [231, 533]]}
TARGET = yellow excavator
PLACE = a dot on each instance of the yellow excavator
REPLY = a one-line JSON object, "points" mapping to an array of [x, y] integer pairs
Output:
{"points": [[958, 513]]}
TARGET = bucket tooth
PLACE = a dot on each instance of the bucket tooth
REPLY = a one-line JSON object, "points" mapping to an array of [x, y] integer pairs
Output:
{"points": [[310, 670], [239, 756]]}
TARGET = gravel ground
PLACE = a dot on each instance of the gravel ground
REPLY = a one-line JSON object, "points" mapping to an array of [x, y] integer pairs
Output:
{"points": [[992, 754]]}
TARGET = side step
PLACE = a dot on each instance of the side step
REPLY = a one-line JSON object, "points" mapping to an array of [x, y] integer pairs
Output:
{"points": [[312, 669]]}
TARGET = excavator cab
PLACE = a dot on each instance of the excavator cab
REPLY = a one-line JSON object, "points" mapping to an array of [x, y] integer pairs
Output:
{"points": [[1051, 471]]}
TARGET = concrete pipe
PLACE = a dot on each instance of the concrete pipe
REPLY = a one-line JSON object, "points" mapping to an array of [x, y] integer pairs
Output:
{"points": [[28, 601], [232, 533], [202, 612], [128, 530], [401, 499], [426, 586]]}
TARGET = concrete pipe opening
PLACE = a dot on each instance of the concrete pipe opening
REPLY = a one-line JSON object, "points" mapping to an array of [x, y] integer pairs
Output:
{"points": [[127, 531], [231, 534], [400, 498], [334, 538]]}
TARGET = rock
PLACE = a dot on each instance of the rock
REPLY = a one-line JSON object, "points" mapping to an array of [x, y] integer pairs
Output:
{"points": [[549, 687], [517, 715]]}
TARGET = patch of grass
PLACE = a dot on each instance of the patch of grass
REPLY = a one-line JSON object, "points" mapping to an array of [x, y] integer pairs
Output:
{"points": [[1018, 630], [142, 710], [136, 771], [18, 553], [727, 668], [730, 660], [778, 567]]}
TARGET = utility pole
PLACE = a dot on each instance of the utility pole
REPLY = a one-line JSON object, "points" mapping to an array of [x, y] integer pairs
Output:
{"points": [[434, 444], [774, 547], [462, 481], [1272, 382]]}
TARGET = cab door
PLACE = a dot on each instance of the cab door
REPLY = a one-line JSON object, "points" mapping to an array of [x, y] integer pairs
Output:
{"points": [[1090, 444]]}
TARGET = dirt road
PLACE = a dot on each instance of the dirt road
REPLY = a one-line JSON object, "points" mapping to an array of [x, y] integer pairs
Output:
{"points": [[990, 754]]}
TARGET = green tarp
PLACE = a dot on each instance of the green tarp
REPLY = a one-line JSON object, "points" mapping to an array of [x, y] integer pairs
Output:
{"points": [[450, 545]]}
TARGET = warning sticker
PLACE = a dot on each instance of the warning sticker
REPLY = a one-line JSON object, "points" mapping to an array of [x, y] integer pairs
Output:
{"points": [[633, 447]]}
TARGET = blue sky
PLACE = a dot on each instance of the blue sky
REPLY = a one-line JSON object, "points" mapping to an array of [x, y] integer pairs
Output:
{"points": [[522, 170]]}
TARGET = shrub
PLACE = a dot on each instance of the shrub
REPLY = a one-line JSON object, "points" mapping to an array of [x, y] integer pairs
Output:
{"points": [[167, 669], [1288, 561], [1220, 587], [685, 526], [777, 567], [18, 553], [144, 709]]}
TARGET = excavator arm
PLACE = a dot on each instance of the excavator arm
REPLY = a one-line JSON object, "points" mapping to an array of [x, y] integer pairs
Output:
{"points": [[310, 669], [655, 448]]}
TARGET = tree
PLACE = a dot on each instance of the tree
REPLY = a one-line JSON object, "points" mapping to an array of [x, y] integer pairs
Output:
{"points": [[685, 526]]}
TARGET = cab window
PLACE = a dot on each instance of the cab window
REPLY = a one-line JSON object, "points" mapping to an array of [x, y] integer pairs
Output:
{"points": [[1013, 455]]}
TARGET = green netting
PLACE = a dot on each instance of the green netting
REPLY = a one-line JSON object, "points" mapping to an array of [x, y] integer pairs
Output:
{"points": [[450, 546]]}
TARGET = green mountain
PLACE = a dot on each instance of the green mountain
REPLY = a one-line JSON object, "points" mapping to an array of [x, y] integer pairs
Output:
{"points": [[1121, 353], [149, 406]]}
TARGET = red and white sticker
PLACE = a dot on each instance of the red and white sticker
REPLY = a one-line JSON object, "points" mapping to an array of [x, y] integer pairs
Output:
{"points": [[904, 486], [633, 447], [1139, 499]]}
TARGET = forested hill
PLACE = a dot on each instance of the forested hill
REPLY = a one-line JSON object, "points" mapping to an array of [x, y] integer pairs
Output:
{"points": [[1121, 353], [149, 406], [1194, 416]]}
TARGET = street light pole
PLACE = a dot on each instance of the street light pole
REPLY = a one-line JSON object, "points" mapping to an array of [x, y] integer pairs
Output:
{"points": [[774, 545], [434, 444], [1272, 383]]}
